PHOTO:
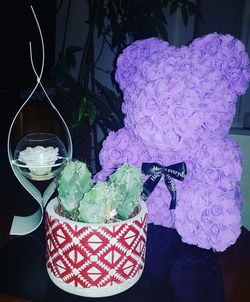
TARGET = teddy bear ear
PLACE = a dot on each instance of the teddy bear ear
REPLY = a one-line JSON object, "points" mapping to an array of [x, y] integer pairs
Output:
{"points": [[129, 61], [229, 58], [234, 62]]}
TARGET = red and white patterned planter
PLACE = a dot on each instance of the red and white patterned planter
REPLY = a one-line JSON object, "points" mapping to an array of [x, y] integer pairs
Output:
{"points": [[95, 260]]}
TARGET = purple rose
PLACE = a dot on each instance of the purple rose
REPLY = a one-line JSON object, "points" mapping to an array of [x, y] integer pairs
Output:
{"points": [[135, 116], [206, 220], [187, 230], [123, 139], [239, 46], [213, 231], [233, 172], [211, 81], [134, 153], [138, 79], [216, 210], [212, 122], [213, 45], [161, 121], [199, 70], [182, 53], [185, 66], [149, 71], [112, 159], [172, 139], [212, 176], [133, 53], [190, 98], [145, 129], [178, 85], [144, 52], [201, 203], [163, 85], [218, 64], [233, 62], [196, 55], [123, 63], [203, 240], [192, 82], [181, 113], [163, 103], [160, 140], [132, 90], [148, 106], [235, 76], [154, 58], [226, 49]]}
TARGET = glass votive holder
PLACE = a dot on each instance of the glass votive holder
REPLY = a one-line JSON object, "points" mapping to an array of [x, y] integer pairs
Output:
{"points": [[40, 156]]}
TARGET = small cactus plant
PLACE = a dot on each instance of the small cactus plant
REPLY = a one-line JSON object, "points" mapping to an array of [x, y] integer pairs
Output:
{"points": [[128, 182], [99, 204], [104, 202], [74, 182]]}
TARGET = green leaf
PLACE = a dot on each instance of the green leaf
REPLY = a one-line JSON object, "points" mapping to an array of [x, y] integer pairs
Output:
{"points": [[82, 109], [92, 113]]}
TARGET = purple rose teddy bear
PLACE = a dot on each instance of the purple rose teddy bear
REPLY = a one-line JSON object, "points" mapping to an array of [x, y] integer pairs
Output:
{"points": [[179, 104]]}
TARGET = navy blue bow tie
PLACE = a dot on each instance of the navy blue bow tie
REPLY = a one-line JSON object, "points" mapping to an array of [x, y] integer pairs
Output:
{"points": [[177, 171]]}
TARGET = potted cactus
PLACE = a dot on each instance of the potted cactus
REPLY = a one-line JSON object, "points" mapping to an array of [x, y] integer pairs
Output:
{"points": [[96, 232]]}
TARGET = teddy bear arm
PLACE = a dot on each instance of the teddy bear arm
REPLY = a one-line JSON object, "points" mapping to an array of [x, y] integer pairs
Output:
{"points": [[118, 148]]}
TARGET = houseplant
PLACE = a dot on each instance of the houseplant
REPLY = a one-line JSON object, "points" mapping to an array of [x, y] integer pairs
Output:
{"points": [[96, 232], [89, 107]]}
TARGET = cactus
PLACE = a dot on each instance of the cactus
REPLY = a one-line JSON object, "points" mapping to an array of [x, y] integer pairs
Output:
{"points": [[105, 201], [99, 204], [128, 182], [74, 182]]}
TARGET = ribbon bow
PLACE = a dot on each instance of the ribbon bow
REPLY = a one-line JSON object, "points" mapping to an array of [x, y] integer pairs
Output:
{"points": [[177, 171]]}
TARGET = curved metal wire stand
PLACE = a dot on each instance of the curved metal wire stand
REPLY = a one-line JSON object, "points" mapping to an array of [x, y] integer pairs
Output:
{"points": [[23, 225]]}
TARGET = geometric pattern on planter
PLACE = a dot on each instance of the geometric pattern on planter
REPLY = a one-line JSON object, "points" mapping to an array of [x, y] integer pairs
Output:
{"points": [[89, 255]]}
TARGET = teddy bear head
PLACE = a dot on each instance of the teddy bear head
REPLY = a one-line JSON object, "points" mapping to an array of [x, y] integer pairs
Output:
{"points": [[176, 95]]}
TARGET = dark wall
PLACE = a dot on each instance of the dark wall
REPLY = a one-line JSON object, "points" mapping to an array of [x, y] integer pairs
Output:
{"points": [[18, 27], [222, 16]]}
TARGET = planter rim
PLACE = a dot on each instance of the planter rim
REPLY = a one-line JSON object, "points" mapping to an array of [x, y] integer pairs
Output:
{"points": [[50, 209]]}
